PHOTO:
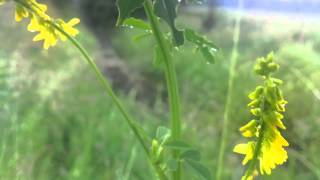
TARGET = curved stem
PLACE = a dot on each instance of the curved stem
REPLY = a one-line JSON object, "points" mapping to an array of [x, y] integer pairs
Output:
{"points": [[232, 71], [172, 83], [106, 85]]}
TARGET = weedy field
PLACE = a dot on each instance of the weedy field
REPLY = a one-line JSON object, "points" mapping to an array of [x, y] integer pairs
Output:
{"points": [[57, 123]]}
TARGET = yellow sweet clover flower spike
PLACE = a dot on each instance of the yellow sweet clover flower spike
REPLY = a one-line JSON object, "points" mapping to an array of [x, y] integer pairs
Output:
{"points": [[267, 104], [43, 24]]}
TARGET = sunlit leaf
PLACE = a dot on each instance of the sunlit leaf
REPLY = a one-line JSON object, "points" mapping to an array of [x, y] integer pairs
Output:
{"points": [[167, 10], [126, 7]]}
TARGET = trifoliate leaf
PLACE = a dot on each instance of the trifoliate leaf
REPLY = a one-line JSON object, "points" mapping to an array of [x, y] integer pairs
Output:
{"points": [[167, 10], [206, 47], [126, 7]]}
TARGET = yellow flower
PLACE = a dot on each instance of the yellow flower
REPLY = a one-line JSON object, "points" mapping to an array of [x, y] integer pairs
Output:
{"points": [[43, 24], [68, 28], [21, 12], [273, 153], [249, 129], [46, 33], [245, 149], [266, 105]]}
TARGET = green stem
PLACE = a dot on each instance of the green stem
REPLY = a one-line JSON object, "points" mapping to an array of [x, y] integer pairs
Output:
{"points": [[257, 150], [171, 78], [232, 71], [106, 85]]}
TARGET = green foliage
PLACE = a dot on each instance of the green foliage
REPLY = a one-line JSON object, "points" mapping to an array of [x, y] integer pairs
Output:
{"points": [[167, 10], [206, 47], [126, 7], [137, 23], [61, 140]]}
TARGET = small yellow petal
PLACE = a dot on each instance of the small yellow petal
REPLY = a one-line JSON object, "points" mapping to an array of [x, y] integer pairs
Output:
{"points": [[74, 22]]}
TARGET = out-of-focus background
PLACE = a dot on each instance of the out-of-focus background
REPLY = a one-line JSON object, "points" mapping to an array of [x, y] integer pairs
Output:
{"points": [[57, 123]]}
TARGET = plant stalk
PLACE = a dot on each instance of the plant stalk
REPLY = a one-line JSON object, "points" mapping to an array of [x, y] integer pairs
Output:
{"points": [[232, 71], [258, 145], [107, 87], [104, 82], [172, 84]]}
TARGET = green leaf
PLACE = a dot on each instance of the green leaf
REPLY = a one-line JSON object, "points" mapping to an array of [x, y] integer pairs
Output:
{"points": [[172, 165], [200, 169], [191, 155], [137, 23], [178, 145], [126, 7], [167, 10], [163, 134], [208, 55], [139, 37], [206, 47]]}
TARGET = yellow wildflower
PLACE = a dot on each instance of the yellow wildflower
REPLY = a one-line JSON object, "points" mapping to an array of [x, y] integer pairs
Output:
{"points": [[46, 32], [266, 105], [68, 28], [273, 153], [246, 149], [21, 12], [43, 24]]}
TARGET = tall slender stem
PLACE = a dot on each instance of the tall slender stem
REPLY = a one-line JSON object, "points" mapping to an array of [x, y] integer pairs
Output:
{"points": [[106, 85], [171, 78], [232, 71]]}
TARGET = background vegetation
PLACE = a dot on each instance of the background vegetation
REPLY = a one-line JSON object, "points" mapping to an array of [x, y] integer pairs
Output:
{"points": [[56, 123]]}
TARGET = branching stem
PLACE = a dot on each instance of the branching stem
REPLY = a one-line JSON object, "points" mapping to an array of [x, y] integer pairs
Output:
{"points": [[172, 83]]}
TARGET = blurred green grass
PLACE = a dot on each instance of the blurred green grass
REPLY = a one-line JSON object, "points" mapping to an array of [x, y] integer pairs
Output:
{"points": [[56, 122]]}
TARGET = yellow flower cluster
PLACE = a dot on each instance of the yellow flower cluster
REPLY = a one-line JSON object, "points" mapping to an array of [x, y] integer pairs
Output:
{"points": [[40, 22], [267, 104]]}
